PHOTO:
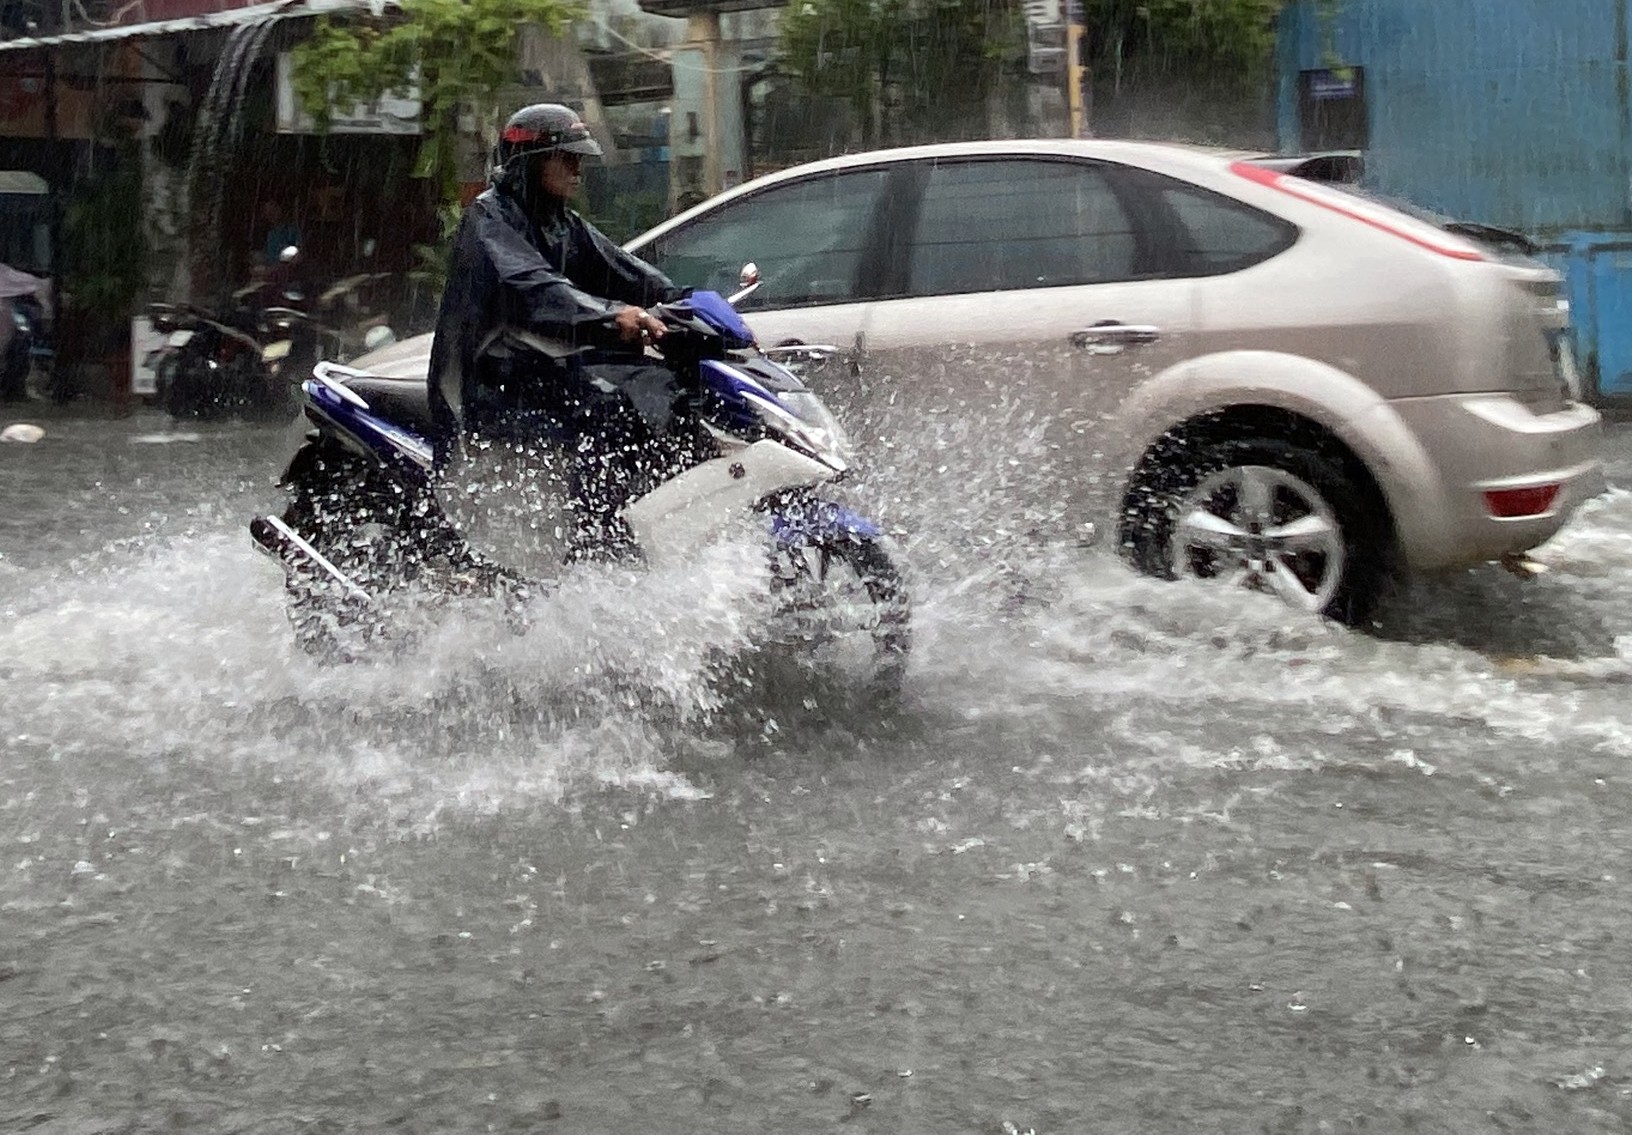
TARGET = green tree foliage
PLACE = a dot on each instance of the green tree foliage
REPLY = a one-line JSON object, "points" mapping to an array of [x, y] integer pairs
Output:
{"points": [[916, 70], [458, 54], [104, 255], [1217, 40], [1195, 70], [911, 70]]}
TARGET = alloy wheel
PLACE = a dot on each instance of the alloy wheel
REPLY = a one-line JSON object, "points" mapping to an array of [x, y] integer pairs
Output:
{"points": [[1260, 527]]}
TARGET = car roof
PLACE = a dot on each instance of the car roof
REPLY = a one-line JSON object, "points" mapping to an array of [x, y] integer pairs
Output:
{"points": [[1169, 157]]}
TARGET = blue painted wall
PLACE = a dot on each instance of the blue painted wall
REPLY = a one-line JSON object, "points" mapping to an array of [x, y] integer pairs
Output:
{"points": [[1516, 113], [1510, 112]]}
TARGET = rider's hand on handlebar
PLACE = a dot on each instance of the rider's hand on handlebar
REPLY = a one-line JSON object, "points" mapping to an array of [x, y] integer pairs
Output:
{"points": [[636, 324]]}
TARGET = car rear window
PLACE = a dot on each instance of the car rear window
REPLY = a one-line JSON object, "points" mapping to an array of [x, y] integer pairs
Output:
{"points": [[1212, 235], [1010, 224]]}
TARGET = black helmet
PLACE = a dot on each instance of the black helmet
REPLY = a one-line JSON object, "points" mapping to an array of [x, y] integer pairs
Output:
{"points": [[544, 128], [532, 133]]}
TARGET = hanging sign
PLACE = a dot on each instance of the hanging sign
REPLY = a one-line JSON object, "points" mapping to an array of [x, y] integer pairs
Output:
{"points": [[388, 114]]}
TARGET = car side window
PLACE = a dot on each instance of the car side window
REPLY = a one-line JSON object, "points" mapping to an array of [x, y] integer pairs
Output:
{"points": [[1210, 235], [1027, 223], [808, 239]]}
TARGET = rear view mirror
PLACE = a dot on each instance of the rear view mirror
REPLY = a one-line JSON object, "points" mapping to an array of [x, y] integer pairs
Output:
{"points": [[747, 282]]}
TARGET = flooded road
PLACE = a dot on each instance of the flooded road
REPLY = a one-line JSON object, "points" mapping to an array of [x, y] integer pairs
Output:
{"points": [[1130, 857]]}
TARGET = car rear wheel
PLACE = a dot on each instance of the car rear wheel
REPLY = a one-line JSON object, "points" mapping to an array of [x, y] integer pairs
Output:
{"points": [[1266, 515]]}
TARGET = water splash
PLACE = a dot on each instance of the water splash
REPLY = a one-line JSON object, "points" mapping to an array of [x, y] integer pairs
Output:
{"points": [[1017, 621], [172, 647], [181, 647]]}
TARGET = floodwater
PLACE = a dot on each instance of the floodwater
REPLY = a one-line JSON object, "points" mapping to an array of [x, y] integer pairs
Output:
{"points": [[1128, 857]]}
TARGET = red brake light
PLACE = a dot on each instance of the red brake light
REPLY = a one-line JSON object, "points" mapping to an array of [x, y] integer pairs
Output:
{"points": [[1509, 504], [1419, 233]]}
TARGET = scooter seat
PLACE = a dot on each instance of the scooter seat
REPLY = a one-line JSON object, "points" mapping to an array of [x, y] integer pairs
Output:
{"points": [[402, 401]]}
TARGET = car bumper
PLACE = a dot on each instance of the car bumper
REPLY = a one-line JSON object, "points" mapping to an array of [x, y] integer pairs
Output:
{"points": [[1481, 444]]}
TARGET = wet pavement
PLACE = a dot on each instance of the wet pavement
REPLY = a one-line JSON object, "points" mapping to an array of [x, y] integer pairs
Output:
{"points": [[1128, 857]]}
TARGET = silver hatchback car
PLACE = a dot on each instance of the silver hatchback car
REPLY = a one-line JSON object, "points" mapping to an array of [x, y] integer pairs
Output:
{"points": [[1241, 374]]}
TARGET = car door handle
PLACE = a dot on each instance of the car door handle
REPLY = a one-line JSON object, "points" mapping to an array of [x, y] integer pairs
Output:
{"points": [[1111, 337]]}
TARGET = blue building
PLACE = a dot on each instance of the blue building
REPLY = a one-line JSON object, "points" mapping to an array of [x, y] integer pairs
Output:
{"points": [[1513, 113]]}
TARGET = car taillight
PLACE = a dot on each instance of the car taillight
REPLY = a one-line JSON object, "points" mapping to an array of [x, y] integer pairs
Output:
{"points": [[1419, 233], [1510, 504]]}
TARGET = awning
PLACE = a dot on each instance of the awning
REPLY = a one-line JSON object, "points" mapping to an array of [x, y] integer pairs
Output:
{"points": [[280, 10]]}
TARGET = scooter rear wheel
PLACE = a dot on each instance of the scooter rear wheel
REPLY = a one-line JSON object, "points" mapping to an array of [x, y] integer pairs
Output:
{"points": [[384, 537]]}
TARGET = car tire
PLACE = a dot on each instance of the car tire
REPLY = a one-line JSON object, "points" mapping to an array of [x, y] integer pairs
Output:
{"points": [[1265, 513]]}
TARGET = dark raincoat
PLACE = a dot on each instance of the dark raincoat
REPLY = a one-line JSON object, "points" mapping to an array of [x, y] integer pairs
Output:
{"points": [[543, 269]]}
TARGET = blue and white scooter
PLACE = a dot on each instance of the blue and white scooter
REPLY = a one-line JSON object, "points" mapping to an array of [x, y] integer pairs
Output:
{"points": [[363, 519]]}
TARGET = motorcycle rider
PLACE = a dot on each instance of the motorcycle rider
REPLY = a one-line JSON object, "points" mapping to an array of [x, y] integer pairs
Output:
{"points": [[524, 259]]}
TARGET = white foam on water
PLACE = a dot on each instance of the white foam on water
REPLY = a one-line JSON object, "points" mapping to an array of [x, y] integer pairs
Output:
{"points": [[1041, 633], [180, 437], [184, 648], [177, 644]]}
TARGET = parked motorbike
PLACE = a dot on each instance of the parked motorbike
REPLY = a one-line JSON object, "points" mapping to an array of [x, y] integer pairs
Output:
{"points": [[248, 362], [23, 330], [22, 318], [210, 367], [335, 327], [363, 523]]}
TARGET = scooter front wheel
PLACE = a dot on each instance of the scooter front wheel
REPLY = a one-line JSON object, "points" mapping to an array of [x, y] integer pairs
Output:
{"points": [[842, 596]]}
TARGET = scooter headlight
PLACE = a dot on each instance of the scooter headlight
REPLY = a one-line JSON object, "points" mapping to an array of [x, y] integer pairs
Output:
{"points": [[808, 423], [800, 419], [820, 424]]}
